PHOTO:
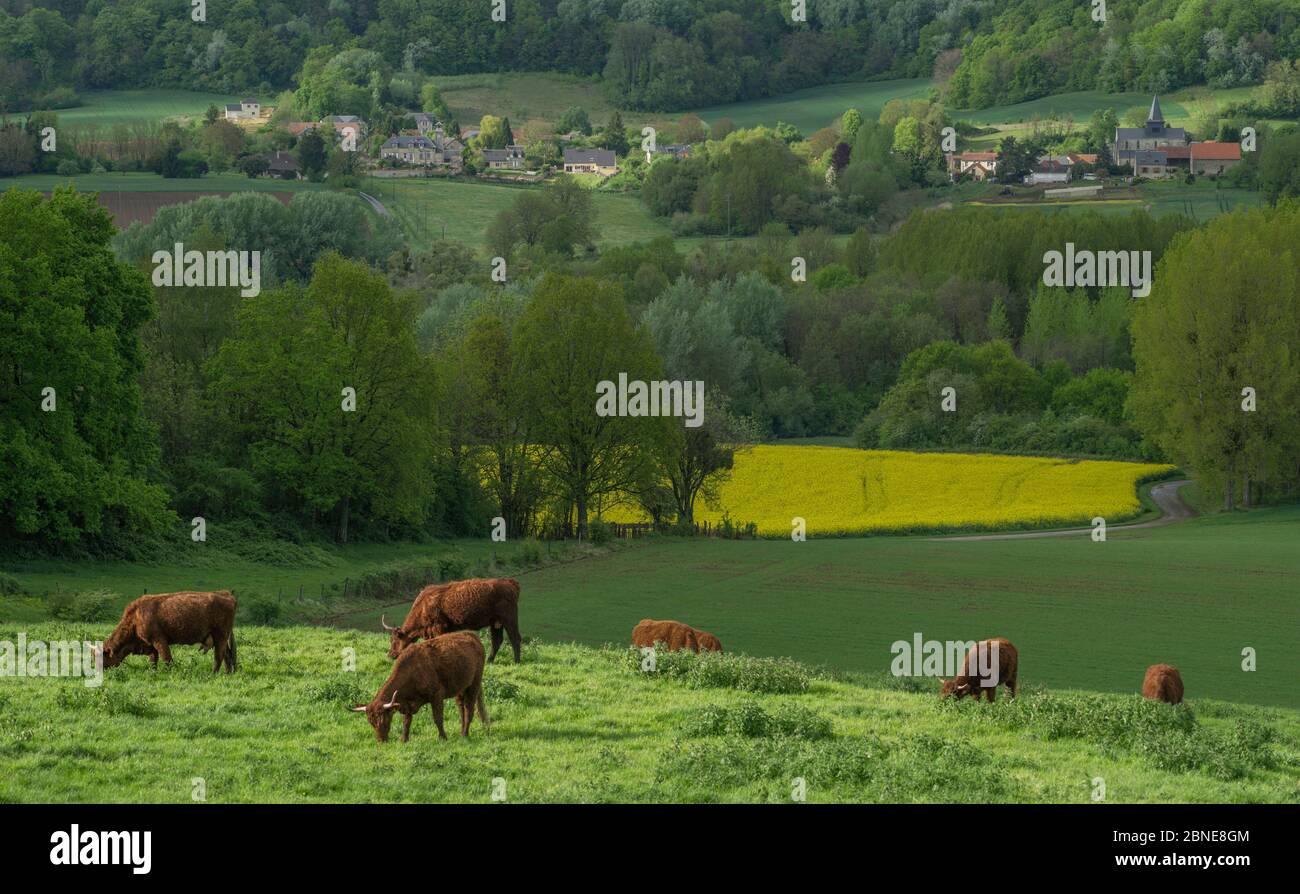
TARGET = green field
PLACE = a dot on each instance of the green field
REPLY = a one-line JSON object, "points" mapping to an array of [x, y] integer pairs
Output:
{"points": [[109, 107], [817, 107], [466, 209], [1200, 201], [573, 724], [147, 182], [1084, 615]]}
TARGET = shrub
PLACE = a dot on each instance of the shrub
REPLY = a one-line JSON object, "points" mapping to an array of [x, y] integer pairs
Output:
{"points": [[751, 720], [599, 532], [531, 552], [260, 609], [91, 605], [776, 676], [9, 586]]}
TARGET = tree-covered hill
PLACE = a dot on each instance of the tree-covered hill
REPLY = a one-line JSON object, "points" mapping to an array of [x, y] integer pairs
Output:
{"points": [[651, 54]]}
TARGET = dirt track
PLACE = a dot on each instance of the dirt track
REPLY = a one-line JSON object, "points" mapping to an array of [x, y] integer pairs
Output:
{"points": [[1165, 494]]}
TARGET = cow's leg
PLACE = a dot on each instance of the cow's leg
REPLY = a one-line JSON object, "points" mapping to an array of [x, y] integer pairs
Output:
{"points": [[497, 635], [164, 651], [992, 693], [153, 658], [512, 628], [218, 653], [406, 726], [437, 716], [464, 707]]}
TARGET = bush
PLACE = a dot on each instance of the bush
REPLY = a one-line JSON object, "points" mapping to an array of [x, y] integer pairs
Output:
{"points": [[9, 586], [599, 532], [777, 676], [68, 168], [260, 609], [531, 552], [751, 720], [91, 605]]}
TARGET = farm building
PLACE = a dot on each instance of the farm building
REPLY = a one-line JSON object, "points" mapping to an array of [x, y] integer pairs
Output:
{"points": [[342, 125], [1050, 169], [590, 161], [244, 109]]}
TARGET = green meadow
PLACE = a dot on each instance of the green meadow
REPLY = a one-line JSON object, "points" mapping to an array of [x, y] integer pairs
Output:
{"points": [[577, 724], [109, 107], [1084, 615]]}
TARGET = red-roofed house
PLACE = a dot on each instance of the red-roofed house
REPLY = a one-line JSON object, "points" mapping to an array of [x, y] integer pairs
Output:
{"points": [[1204, 158], [977, 165]]}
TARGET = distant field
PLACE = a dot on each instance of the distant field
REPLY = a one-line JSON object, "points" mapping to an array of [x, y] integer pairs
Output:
{"points": [[841, 491], [145, 182], [534, 101], [1200, 201], [817, 107], [466, 209], [110, 107]]}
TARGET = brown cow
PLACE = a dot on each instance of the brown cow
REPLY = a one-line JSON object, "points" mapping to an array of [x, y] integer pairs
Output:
{"points": [[1163, 682], [151, 625], [431, 672], [461, 605], [675, 635], [980, 683]]}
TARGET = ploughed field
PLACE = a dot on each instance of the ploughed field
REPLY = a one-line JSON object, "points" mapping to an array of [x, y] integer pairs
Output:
{"points": [[573, 723], [838, 491]]}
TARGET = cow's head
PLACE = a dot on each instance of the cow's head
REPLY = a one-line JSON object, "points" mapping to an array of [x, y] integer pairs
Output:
{"points": [[956, 686], [400, 638], [380, 715], [117, 647], [708, 642]]}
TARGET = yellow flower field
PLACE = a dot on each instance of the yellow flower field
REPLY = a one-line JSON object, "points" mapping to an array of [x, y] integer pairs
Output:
{"points": [[838, 491]]}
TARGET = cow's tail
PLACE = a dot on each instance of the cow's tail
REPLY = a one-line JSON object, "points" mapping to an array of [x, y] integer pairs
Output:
{"points": [[233, 654], [482, 710]]}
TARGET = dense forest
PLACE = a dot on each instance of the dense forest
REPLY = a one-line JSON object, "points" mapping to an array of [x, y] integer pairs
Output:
{"points": [[651, 54]]}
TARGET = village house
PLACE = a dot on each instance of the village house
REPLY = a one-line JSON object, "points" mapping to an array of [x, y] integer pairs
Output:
{"points": [[976, 165], [426, 124], [436, 151], [591, 161], [674, 150], [283, 165], [510, 158], [343, 124], [1050, 169], [244, 109], [298, 128]]}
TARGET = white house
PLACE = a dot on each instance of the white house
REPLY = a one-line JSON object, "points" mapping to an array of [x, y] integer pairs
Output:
{"points": [[245, 108]]}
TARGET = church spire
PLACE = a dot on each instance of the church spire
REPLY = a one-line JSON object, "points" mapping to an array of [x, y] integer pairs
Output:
{"points": [[1154, 116]]}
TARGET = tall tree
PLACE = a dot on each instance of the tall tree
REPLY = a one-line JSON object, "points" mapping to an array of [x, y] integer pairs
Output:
{"points": [[1224, 316], [283, 375], [575, 334]]}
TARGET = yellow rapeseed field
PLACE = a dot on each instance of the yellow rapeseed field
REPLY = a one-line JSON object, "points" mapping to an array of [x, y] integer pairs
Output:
{"points": [[839, 491]]}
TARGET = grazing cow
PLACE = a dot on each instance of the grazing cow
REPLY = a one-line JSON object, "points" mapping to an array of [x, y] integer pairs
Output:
{"points": [[429, 673], [973, 679], [461, 605], [1163, 682], [675, 635], [151, 625]]}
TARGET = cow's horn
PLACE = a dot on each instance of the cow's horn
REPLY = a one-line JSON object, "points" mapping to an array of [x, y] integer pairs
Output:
{"points": [[383, 619], [391, 704], [358, 707]]}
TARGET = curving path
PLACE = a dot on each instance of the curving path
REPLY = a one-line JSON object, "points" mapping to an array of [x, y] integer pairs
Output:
{"points": [[375, 203], [1166, 495]]}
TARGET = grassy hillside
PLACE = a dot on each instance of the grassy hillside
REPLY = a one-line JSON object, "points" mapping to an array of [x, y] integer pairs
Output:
{"points": [[467, 208], [108, 107], [579, 724]]}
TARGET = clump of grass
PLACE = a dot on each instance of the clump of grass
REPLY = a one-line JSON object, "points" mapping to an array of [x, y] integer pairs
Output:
{"points": [[1168, 737], [498, 689], [341, 690], [774, 676], [751, 720], [113, 700]]}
